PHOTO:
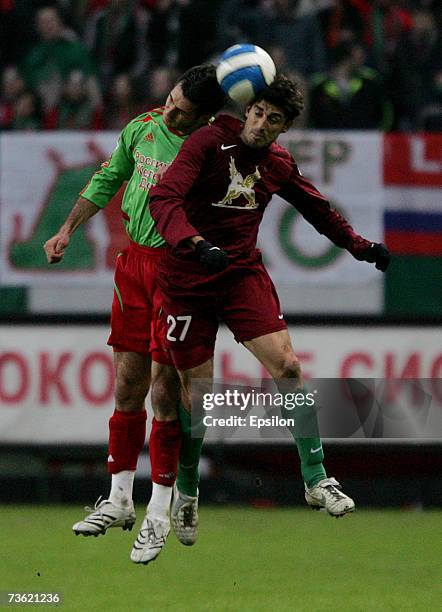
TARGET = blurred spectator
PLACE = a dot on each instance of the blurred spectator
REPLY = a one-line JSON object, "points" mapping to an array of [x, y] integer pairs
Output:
{"points": [[322, 9], [115, 36], [350, 95], [56, 55], [122, 106], [161, 33], [76, 110], [140, 46], [161, 81], [378, 24], [299, 36], [349, 20], [275, 23], [12, 87], [242, 21], [417, 62], [197, 26], [77, 12], [9, 33], [389, 20], [16, 28], [27, 112], [314, 7], [430, 116]]}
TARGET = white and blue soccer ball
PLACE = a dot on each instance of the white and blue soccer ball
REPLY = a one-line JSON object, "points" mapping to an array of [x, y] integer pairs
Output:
{"points": [[244, 71]]}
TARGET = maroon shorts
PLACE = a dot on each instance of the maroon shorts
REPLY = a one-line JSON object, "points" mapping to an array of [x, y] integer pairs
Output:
{"points": [[135, 322], [244, 298]]}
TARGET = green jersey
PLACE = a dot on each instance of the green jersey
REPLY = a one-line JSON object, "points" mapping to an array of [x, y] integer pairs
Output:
{"points": [[145, 145]]}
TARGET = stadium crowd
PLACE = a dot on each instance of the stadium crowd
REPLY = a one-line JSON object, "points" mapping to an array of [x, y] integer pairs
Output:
{"points": [[94, 64]]}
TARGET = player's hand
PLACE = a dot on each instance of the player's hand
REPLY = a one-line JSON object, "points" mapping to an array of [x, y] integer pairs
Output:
{"points": [[378, 254], [55, 248], [211, 256]]}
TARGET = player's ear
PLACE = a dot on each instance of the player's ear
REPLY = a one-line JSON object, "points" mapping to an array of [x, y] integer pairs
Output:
{"points": [[287, 126], [247, 111]]}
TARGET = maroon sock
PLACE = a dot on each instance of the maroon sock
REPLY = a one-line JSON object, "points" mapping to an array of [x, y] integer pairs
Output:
{"points": [[127, 434], [164, 450]]}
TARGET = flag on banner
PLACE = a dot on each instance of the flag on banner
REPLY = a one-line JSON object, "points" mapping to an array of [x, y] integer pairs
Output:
{"points": [[414, 233], [413, 223]]}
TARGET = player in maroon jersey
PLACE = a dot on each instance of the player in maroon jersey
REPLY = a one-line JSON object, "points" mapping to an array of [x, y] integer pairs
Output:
{"points": [[145, 146], [208, 207]]}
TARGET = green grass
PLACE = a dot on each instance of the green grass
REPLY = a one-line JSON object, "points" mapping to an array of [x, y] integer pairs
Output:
{"points": [[245, 560]]}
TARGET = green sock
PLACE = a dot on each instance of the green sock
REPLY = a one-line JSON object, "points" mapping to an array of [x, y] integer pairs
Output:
{"points": [[306, 435], [312, 468], [188, 473]]}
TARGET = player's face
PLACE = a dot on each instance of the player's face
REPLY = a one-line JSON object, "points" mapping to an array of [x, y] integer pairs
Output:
{"points": [[264, 123], [179, 113]]}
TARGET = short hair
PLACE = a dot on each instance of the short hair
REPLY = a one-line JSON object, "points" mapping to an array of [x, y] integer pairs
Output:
{"points": [[284, 93], [200, 86]]}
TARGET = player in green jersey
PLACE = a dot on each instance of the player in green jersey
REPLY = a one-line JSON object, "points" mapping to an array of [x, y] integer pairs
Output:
{"points": [[145, 148]]}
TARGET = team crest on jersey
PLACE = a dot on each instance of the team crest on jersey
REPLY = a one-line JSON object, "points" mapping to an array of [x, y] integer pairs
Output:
{"points": [[240, 186], [149, 137]]}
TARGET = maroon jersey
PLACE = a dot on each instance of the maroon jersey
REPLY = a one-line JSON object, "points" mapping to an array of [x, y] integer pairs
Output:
{"points": [[219, 188]]}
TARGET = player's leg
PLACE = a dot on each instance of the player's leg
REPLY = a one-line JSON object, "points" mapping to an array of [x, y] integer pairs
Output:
{"points": [[130, 339], [164, 447], [127, 426], [127, 434], [253, 314], [184, 509], [276, 354], [165, 436], [190, 336], [193, 433]]}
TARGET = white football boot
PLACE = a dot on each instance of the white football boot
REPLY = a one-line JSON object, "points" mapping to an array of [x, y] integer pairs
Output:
{"points": [[150, 540], [105, 515], [328, 494], [184, 517]]}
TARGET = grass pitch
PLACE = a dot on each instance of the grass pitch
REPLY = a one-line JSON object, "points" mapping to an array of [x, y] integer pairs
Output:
{"points": [[245, 560]]}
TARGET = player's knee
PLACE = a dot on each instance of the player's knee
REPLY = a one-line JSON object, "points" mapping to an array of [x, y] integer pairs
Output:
{"points": [[130, 390], [166, 393], [290, 367]]}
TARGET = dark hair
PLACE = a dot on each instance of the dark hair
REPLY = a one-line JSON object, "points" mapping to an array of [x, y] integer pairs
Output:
{"points": [[285, 94], [200, 87], [342, 51]]}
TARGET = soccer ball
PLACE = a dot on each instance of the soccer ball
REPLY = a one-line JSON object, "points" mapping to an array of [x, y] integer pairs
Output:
{"points": [[243, 71]]}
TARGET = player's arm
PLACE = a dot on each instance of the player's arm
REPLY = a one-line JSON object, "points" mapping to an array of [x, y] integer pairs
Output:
{"points": [[56, 246], [316, 209], [167, 198], [167, 201], [103, 185]]}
